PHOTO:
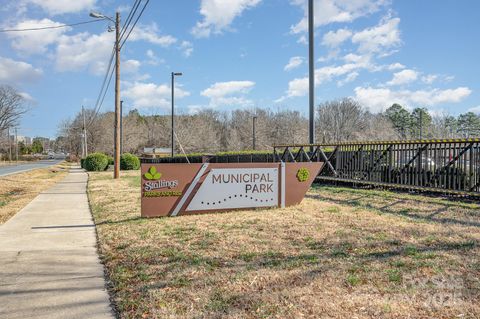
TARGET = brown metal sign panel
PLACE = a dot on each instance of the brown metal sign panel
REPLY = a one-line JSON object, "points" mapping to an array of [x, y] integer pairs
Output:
{"points": [[181, 189]]}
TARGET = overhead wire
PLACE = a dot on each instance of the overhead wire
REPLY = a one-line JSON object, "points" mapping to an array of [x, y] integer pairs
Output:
{"points": [[129, 18], [109, 72], [135, 23], [103, 90], [50, 27]]}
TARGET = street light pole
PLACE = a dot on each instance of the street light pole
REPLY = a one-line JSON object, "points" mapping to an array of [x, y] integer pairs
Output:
{"points": [[9, 145], [116, 173], [16, 145], [311, 74], [85, 149], [173, 110], [254, 122]]}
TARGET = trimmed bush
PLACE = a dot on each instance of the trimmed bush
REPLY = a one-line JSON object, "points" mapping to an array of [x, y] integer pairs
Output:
{"points": [[110, 160], [96, 162], [129, 161], [82, 163]]}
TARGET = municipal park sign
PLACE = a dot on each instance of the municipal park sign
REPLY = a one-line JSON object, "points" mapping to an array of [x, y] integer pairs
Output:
{"points": [[181, 189]]}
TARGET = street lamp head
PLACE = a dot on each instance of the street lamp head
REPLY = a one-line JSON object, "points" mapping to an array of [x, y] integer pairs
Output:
{"points": [[177, 73], [97, 15]]}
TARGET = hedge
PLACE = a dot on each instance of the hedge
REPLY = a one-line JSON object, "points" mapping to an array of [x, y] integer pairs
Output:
{"points": [[129, 162], [96, 162]]}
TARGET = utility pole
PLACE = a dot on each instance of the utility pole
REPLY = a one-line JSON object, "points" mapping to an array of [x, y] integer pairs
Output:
{"points": [[85, 148], [311, 74], [116, 173], [16, 145], [9, 145], [121, 127], [254, 122]]}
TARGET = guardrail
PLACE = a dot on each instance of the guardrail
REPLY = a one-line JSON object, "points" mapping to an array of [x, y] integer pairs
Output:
{"points": [[447, 165]]}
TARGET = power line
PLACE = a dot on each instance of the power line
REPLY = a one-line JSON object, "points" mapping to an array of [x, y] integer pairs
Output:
{"points": [[108, 74], [130, 17], [135, 23], [103, 89], [50, 27]]}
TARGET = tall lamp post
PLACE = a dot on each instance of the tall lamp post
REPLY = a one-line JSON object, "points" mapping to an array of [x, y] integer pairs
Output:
{"points": [[254, 131], [311, 75], [116, 155], [174, 74]]}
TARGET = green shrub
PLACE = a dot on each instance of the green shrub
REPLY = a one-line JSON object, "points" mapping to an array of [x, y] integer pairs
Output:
{"points": [[129, 161], [96, 162], [110, 160], [82, 162]]}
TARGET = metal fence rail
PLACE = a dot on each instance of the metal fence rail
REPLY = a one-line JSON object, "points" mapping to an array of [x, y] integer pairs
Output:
{"points": [[434, 165]]}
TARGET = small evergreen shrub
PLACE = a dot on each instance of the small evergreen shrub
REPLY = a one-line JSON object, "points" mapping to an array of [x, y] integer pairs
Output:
{"points": [[110, 160], [96, 162], [129, 162], [82, 162]]}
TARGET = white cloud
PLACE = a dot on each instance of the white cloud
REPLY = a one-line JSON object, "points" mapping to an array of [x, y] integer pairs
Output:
{"points": [[17, 72], [64, 6], [349, 78], [395, 66], [150, 34], [403, 77], [219, 15], [475, 109], [228, 93], [429, 79], [299, 86], [151, 94], [378, 99], [84, 51], [187, 48], [130, 66], [38, 41], [153, 59], [377, 39], [335, 38], [293, 63], [329, 11], [302, 40]]}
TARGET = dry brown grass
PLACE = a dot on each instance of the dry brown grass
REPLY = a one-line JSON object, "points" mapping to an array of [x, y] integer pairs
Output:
{"points": [[17, 190], [341, 253]]}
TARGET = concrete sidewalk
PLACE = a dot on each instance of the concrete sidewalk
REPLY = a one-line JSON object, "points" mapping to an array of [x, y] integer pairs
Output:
{"points": [[49, 267]]}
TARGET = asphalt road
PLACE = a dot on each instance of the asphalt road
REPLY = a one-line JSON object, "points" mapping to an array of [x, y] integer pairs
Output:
{"points": [[14, 169]]}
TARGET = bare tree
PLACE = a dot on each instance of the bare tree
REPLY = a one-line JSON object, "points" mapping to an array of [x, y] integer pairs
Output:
{"points": [[12, 107], [339, 120]]}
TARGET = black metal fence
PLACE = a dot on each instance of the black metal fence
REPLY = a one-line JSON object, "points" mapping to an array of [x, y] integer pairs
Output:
{"points": [[433, 165]]}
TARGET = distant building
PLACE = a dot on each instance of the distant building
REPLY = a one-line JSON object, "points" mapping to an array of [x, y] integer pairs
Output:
{"points": [[156, 152]]}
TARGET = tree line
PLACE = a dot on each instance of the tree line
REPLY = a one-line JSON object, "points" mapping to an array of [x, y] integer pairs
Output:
{"points": [[210, 131]]}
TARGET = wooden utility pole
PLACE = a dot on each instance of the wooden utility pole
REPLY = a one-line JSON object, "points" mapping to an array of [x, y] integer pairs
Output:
{"points": [[116, 171], [121, 127]]}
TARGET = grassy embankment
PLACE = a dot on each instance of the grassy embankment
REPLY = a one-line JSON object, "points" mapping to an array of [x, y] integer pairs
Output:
{"points": [[17, 190], [341, 253]]}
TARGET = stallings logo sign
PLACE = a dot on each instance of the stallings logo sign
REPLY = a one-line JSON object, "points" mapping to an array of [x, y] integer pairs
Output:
{"points": [[154, 182]]}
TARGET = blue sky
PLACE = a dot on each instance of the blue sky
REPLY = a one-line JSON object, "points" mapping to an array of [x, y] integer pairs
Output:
{"points": [[243, 54]]}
